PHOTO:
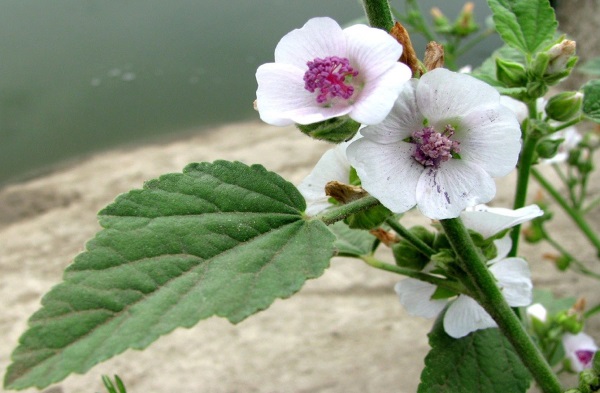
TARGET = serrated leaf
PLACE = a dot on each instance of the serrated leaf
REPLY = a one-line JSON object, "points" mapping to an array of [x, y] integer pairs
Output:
{"points": [[219, 239], [483, 361], [591, 100], [524, 24], [352, 242]]}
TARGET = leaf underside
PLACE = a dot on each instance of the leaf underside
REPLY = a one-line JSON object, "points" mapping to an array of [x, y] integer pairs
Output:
{"points": [[220, 239], [483, 361]]}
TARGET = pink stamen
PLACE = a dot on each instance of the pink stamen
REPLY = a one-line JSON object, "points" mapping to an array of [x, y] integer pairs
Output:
{"points": [[433, 147], [331, 76], [585, 357]]}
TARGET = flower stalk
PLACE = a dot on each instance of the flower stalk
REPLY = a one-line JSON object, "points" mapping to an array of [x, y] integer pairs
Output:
{"points": [[334, 215], [379, 14], [489, 296]]}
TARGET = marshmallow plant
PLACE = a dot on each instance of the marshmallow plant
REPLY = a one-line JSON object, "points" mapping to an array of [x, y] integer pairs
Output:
{"points": [[228, 239]]}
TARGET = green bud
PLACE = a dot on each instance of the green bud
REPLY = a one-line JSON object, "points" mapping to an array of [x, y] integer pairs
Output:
{"points": [[596, 363], [534, 233], [548, 148], [440, 22], [407, 255], [564, 106], [368, 219], [510, 73], [588, 381], [563, 262], [536, 88], [569, 322], [585, 167], [465, 23], [560, 55], [574, 156], [336, 130]]}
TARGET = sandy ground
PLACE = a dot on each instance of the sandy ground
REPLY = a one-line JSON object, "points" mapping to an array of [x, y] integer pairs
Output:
{"points": [[344, 332]]}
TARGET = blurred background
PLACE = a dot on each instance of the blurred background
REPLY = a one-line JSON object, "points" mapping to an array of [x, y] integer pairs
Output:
{"points": [[79, 76]]}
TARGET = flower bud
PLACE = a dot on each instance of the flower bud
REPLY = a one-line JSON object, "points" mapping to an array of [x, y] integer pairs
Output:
{"points": [[570, 322], [560, 56], [465, 24], [510, 73], [335, 130], [441, 23], [564, 106], [548, 148]]}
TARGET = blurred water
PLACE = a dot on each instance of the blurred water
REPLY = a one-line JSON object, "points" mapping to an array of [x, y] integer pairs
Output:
{"points": [[82, 75]]}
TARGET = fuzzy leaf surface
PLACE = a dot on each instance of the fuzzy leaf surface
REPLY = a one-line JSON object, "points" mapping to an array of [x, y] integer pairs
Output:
{"points": [[591, 100], [220, 239], [353, 242], [524, 24], [483, 361]]}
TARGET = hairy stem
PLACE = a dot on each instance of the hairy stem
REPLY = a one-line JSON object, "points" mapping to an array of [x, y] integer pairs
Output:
{"points": [[408, 235], [339, 213], [491, 299], [574, 214], [379, 14], [438, 281]]}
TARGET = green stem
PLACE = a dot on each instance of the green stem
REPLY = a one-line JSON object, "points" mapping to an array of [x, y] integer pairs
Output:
{"points": [[379, 14], [574, 214], [491, 299], [438, 281], [568, 124], [525, 161], [474, 41], [339, 213], [408, 235]]}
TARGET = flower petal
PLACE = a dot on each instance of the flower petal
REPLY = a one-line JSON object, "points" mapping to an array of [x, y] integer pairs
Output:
{"points": [[491, 220], [465, 316], [281, 98], [391, 180], [490, 137], [514, 279], [444, 95], [333, 165], [415, 297], [446, 191], [379, 94], [574, 345], [503, 246], [319, 37], [403, 119]]}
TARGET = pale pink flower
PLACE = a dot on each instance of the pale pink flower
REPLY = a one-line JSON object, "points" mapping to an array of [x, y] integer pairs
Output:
{"points": [[322, 71], [440, 147], [579, 350]]}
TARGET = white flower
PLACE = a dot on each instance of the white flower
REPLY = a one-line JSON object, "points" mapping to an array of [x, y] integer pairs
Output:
{"points": [[322, 71], [538, 312], [489, 221], [445, 139], [332, 166], [464, 314], [579, 349]]}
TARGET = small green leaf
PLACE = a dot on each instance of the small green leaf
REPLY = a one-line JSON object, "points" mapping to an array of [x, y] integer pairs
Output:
{"points": [[591, 100], [353, 242], [524, 24], [220, 239], [591, 67], [483, 361]]}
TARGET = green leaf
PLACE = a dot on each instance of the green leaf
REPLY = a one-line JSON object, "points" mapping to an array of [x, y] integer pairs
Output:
{"points": [[220, 239], [353, 242], [591, 67], [483, 361], [591, 100], [552, 305], [524, 24]]}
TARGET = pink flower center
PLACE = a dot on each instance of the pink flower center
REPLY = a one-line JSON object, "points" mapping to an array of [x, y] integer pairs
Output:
{"points": [[433, 147], [585, 357], [331, 77]]}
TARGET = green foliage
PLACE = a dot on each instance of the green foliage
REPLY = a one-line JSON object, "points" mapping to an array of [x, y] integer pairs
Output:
{"points": [[527, 25], [335, 130], [117, 387], [353, 242], [220, 239], [407, 255], [591, 100], [591, 67], [483, 361]]}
